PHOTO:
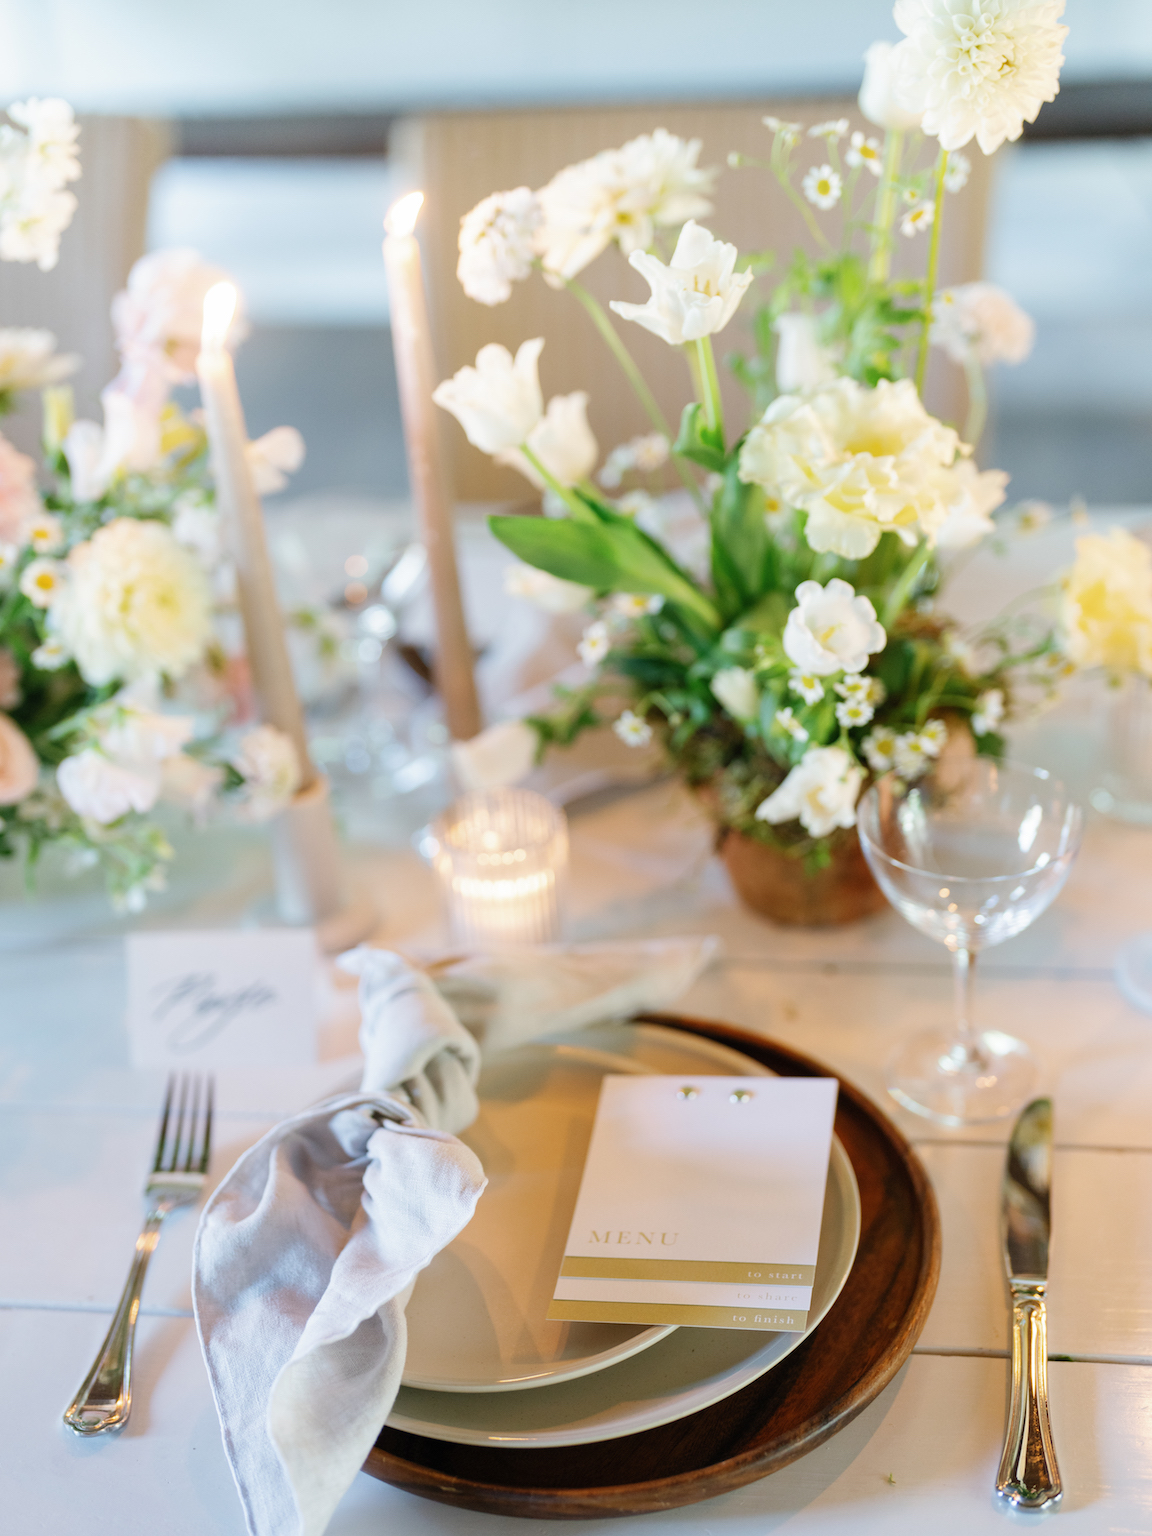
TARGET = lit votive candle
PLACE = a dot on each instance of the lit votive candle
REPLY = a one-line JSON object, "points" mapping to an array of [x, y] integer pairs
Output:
{"points": [[502, 858]]}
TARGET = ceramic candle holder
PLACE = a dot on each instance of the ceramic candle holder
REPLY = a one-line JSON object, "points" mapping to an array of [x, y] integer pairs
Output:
{"points": [[502, 859]]}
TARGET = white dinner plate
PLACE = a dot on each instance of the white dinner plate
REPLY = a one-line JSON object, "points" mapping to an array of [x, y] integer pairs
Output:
{"points": [[677, 1374], [477, 1319]]}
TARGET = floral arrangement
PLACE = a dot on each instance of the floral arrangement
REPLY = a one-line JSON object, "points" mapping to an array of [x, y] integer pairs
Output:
{"points": [[117, 689], [777, 624]]}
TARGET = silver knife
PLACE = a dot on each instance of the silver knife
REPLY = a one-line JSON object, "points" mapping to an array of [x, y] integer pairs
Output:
{"points": [[1029, 1477]]}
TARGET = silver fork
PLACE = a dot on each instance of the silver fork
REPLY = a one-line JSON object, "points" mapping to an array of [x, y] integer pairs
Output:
{"points": [[178, 1175]]}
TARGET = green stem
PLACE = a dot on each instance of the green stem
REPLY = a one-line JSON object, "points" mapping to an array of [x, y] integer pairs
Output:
{"points": [[632, 373], [930, 278], [880, 262], [620, 352], [805, 212], [710, 386], [898, 597], [566, 493], [977, 399]]}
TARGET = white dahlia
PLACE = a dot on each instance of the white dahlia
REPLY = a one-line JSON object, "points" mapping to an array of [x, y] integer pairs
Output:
{"points": [[622, 195], [136, 604], [497, 244], [977, 68]]}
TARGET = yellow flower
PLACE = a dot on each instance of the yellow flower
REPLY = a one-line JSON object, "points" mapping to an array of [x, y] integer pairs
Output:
{"points": [[1106, 612]]}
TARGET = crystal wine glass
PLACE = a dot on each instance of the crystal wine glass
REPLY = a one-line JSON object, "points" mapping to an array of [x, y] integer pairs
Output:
{"points": [[969, 855]]}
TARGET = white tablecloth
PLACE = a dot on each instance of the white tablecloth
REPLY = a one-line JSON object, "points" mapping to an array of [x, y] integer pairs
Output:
{"points": [[76, 1129]]}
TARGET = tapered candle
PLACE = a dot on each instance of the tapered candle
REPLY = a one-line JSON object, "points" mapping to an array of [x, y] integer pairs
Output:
{"points": [[243, 522], [417, 378]]}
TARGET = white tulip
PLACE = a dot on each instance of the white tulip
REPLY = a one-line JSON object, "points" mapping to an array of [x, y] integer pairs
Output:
{"points": [[801, 362], [831, 629], [695, 295], [821, 792], [502, 754], [877, 98], [736, 689], [273, 457], [977, 70], [101, 790], [499, 401], [563, 442], [546, 591]]}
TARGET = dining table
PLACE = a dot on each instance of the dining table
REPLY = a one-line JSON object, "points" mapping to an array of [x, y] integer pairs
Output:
{"points": [[77, 1125]]}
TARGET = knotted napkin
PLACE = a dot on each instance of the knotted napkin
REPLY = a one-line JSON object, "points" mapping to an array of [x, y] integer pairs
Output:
{"points": [[307, 1253]]}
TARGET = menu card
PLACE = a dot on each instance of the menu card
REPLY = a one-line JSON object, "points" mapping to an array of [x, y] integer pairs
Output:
{"points": [[701, 1203]]}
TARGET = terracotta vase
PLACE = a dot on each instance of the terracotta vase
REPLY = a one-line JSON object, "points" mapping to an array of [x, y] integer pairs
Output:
{"points": [[778, 887]]}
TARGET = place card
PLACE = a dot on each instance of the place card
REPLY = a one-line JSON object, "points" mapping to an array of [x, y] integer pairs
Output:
{"points": [[700, 1203], [244, 998]]}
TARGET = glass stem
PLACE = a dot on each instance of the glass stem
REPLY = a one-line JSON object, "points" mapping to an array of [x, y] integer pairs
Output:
{"points": [[966, 1042]]}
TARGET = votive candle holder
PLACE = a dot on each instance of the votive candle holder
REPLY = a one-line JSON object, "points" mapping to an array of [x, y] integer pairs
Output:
{"points": [[502, 859]]}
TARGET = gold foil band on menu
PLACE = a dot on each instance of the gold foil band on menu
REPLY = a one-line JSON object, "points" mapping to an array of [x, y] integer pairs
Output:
{"points": [[754, 1318], [597, 1268]]}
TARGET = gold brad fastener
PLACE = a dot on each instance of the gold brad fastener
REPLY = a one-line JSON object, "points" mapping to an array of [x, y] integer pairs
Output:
{"points": [[687, 1092], [741, 1096]]}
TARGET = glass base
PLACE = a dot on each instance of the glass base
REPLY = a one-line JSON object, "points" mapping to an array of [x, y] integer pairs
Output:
{"points": [[932, 1077], [1134, 971]]}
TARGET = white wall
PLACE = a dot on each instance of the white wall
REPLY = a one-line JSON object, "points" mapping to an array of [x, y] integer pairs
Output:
{"points": [[167, 57]]}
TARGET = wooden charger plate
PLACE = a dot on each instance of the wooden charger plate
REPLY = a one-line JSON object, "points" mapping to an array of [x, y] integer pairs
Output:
{"points": [[804, 1400]]}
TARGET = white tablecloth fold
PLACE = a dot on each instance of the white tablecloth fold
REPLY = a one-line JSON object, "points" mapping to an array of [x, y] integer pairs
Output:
{"points": [[307, 1252]]}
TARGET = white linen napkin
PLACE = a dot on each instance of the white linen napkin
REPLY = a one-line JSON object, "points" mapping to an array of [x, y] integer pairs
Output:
{"points": [[520, 995], [306, 1254]]}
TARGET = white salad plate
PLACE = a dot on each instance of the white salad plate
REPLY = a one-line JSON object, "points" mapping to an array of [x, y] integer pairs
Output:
{"points": [[482, 1318]]}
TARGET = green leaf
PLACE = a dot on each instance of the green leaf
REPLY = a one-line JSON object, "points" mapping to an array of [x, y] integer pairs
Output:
{"points": [[612, 556], [698, 441], [741, 546]]}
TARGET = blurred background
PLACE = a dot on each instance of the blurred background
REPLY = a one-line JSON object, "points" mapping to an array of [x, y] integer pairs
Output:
{"points": [[265, 136]]}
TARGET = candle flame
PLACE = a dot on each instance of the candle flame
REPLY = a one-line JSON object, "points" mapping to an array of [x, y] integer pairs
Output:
{"points": [[402, 216], [219, 307]]}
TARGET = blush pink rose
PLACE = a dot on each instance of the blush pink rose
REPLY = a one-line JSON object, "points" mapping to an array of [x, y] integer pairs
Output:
{"points": [[19, 766], [19, 498]]}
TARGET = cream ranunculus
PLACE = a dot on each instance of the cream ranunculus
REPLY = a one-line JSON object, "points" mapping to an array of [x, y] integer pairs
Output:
{"points": [[19, 765], [859, 461], [102, 790], [497, 245], [821, 792], [981, 321], [136, 604], [831, 629], [977, 68], [695, 295], [877, 98], [972, 495], [273, 457], [736, 689], [1106, 611], [267, 762], [801, 362], [623, 195], [29, 360], [499, 401]]}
